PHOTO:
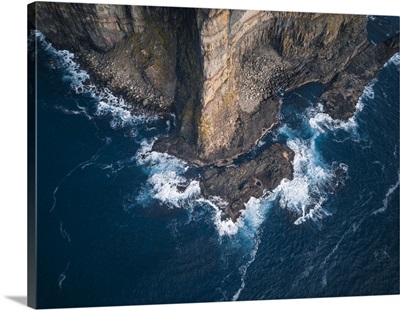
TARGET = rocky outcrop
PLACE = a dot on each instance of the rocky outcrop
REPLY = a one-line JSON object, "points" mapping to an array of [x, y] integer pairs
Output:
{"points": [[253, 178], [251, 56], [221, 72], [130, 49], [346, 87]]}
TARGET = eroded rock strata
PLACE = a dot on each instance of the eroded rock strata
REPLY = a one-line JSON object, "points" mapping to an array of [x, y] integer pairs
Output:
{"points": [[220, 72]]}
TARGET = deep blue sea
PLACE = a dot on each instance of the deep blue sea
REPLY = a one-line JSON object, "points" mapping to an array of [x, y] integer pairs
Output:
{"points": [[113, 228]]}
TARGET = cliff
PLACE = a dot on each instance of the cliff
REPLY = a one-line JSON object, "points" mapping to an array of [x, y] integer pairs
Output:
{"points": [[219, 71], [250, 56]]}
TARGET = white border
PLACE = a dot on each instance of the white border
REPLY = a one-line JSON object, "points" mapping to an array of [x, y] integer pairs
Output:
{"points": [[13, 148]]}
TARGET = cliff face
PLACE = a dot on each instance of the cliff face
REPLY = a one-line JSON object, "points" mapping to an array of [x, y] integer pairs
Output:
{"points": [[249, 56], [131, 49], [220, 71]]}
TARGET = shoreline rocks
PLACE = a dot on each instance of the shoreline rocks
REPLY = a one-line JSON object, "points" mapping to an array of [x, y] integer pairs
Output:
{"points": [[251, 178], [221, 72]]}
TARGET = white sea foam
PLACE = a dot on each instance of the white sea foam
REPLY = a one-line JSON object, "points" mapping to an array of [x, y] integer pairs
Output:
{"points": [[395, 59], [246, 225], [64, 59], [246, 231], [323, 122], [352, 229], [224, 227], [260, 143], [316, 213], [167, 184], [254, 214], [313, 179], [306, 193], [79, 81], [166, 190], [243, 270], [61, 279], [82, 166], [166, 179], [63, 276], [388, 195], [166, 175], [252, 218]]}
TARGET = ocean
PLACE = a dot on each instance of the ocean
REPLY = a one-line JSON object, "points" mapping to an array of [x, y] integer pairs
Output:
{"points": [[116, 228]]}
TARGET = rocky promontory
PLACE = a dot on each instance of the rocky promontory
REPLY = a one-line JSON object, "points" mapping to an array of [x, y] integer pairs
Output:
{"points": [[221, 72], [252, 178]]}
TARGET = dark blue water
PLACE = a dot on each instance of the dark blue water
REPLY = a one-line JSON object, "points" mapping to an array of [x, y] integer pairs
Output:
{"points": [[113, 228], [380, 28]]}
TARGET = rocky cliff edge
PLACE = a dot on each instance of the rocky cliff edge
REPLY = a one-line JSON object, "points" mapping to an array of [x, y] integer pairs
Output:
{"points": [[220, 72]]}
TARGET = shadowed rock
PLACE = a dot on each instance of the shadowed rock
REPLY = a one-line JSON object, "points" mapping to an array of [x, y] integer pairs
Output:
{"points": [[249, 179], [221, 72]]}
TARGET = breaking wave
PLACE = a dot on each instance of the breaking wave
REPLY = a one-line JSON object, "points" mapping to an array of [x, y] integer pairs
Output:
{"points": [[250, 230], [304, 195], [313, 179], [166, 178], [395, 60], [170, 182], [106, 102], [323, 122], [224, 227]]}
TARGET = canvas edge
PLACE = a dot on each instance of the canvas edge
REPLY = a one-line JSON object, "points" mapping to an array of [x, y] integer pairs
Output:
{"points": [[31, 173]]}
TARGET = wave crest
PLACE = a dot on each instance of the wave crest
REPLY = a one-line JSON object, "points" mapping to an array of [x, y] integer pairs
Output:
{"points": [[166, 178], [107, 103]]}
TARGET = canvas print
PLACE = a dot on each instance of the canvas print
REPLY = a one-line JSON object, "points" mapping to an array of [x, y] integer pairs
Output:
{"points": [[182, 155]]}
